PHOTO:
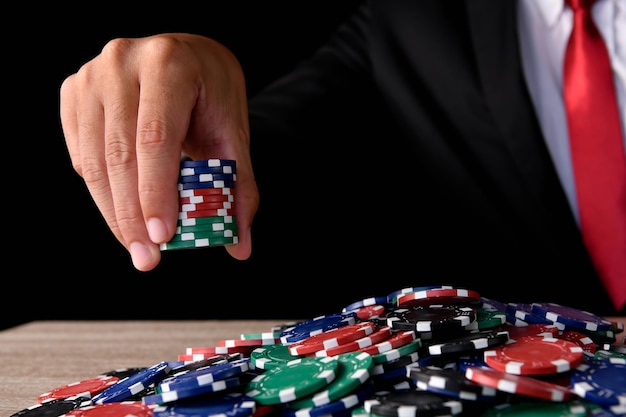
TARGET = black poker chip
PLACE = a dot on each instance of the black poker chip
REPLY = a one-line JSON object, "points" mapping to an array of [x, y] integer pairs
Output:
{"points": [[52, 408], [470, 343], [448, 381], [433, 318], [412, 403]]}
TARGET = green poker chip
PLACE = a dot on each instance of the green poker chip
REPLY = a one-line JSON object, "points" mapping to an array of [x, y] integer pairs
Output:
{"points": [[293, 380], [272, 356], [200, 243], [354, 369]]}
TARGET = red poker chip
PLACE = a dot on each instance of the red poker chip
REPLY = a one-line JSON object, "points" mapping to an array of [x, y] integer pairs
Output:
{"points": [[369, 312], [437, 296], [211, 205], [396, 340], [331, 338], [85, 389], [381, 334], [519, 384], [204, 191], [247, 342], [532, 329], [582, 340], [211, 198], [534, 355], [114, 409], [206, 213]]}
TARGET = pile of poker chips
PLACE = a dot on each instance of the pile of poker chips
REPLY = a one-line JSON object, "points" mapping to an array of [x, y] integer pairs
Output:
{"points": [[419, 351], [206, 205]]}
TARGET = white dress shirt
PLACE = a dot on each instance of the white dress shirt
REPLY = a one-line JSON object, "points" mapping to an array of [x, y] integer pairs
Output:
{"points": [[544, 28]]}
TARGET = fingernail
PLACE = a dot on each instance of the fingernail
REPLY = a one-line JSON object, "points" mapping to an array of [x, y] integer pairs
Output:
{"points": [[157, 230], [140, 255]]}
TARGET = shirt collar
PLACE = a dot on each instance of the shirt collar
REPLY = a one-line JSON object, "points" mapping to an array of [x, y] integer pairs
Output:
{"points": [[549, 10]]}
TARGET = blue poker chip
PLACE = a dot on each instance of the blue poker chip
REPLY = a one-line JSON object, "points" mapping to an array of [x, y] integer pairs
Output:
{"points": [[223, 169], [206, 184], [207, 178], [317, 325], [212, 162], [601, 381], [132, 384], [365, 303], [232, 404], [572, 317], [491, 304], [522, 311], [206, 375], [179, 394]]}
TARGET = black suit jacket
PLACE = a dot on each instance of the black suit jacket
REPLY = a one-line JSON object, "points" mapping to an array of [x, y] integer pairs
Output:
{"points": [[408, 149]]}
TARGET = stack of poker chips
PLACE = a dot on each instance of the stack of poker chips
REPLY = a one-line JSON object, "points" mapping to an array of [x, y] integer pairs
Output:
{"points": [[206, 205]]}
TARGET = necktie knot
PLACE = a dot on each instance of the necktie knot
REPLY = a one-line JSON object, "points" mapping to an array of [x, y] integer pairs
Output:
{"points": [[580, 5]]}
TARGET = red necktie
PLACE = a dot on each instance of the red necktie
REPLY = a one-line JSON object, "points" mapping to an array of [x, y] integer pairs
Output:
{"points": [[597, 150]]}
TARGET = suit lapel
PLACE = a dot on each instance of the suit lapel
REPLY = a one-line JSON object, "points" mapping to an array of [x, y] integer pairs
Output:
{"points": [[501, 75]]}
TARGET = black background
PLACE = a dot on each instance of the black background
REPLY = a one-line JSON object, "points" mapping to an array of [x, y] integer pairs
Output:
{"points": [[61, 261]]}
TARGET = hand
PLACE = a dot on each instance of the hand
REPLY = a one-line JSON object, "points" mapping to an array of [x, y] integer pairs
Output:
{"points": [[131, 112]]}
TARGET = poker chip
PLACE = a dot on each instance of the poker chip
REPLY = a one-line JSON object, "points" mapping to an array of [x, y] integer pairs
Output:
{"points": [[211, 198], [132, 384], [85, 388], [205, 213], [200, 243], [449, 382], [601, 381], [353, 370], [191, 391], [582, 340], [397, 339], [489, 319], [439, 296], [392, 298], [269, 357], [293, 380], [205, 184], [531, 355], [218, 350], [52, 408], [398, 352], [343, 404], [317, 325], [367, 313], [209, 227], [519, 384], [491, 304], [205, 192], [412, 403], [431, 318], [211, 163], [533, 329], [211, 360], [248, 342], [122, 408], [202, 376], [331, 338], [207, 177], [370, 301], [231, 404], [391, 365], [522, 314], [122, 373], [211, 205], [196, 170], [570, 316], [470, 343], [380, 335]]}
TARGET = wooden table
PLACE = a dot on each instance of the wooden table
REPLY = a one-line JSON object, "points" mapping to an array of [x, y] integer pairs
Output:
{"points": [[39, 356]]}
